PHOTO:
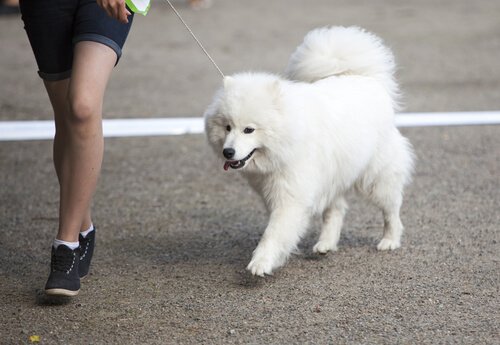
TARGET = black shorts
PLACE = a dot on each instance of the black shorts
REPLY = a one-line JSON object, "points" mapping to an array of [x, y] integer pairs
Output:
{"points": [[55, 26]]}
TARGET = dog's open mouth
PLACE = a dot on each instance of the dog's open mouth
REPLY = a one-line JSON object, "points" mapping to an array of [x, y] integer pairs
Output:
{"points": [[238, 164]]}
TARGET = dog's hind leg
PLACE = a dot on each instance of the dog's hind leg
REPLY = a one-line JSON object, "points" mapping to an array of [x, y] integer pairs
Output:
{"points": [[333, 218], [286, 226], [387, 194], [386, 188]]}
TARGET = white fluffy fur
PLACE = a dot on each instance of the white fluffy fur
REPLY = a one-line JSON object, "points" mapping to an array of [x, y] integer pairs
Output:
{"points": [[326, 128]]}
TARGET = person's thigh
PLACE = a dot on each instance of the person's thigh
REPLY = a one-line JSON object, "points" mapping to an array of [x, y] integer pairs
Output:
{"points": [[98, 41], [92, 66]]}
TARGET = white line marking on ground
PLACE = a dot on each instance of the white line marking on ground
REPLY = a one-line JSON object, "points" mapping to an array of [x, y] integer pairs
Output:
{"points": [[41, 130], [448, 119]]}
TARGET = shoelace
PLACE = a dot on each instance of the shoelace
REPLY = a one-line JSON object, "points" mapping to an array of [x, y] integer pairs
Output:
{"points": [[84, 246], [63, 263]]}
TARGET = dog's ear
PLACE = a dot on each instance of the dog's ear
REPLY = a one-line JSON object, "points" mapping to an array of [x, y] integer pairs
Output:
{"points": [[227, 81]]}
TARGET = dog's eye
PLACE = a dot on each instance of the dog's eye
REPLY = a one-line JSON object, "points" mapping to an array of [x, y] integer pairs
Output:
{"points": [[228, 128], [248, 130]]}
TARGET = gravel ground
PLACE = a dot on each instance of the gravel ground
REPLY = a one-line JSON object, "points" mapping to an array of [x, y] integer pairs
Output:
{"points": [[173, 242]]}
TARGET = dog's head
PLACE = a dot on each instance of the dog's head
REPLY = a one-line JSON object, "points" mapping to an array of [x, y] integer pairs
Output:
{"points": [[242, 121]]}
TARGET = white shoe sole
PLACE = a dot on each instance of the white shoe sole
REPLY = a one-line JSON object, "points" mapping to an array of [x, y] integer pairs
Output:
{"points": [[61, 292]]}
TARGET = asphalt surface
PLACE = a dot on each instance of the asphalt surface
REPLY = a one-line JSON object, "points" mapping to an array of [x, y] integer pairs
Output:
{"points": [[175, 231]]}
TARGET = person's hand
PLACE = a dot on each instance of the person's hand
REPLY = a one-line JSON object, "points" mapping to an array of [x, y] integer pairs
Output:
{"points": [[115, 9]]}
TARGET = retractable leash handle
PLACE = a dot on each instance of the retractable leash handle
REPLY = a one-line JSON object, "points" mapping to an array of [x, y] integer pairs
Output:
{"points": [[139, 6], [142, 7]]}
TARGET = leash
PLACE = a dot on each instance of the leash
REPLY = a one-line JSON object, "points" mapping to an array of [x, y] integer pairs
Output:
{"points": [[195, 38]]}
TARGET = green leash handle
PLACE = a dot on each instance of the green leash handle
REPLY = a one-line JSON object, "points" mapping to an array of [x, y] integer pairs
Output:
{"points": [[139, 6]]}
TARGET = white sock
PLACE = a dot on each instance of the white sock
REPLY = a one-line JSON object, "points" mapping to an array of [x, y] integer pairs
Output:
{"points": [[70, 245], [86, 232]]}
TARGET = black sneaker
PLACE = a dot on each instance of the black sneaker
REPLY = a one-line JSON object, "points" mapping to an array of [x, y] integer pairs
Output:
{"points": [[63, 279], [86, 251]]}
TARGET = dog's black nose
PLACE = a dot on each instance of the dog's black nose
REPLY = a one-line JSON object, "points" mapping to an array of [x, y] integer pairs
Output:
{"points": [[228, 153]]}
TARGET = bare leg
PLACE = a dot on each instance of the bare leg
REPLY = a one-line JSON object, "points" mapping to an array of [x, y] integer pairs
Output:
{"points": [[333, 218], [78, 144]]}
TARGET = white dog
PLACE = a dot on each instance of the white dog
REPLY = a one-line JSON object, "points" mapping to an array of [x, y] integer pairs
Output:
{"points": [[304, 141]]}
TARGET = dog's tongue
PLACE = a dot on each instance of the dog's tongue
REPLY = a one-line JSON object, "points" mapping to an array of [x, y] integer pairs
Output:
{"points": [[227, 164]]}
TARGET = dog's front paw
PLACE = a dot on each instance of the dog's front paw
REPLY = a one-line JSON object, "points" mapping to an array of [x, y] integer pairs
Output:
{"points": [[260, 267], [266, 258], [388, 244], [323, 247]]}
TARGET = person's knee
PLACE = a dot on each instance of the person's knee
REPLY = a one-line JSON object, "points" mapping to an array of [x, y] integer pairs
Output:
{"points": [[84, 120], [83, 110]]}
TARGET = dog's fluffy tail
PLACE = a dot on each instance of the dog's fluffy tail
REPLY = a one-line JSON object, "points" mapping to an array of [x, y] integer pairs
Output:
{"points": [[339, 51]]}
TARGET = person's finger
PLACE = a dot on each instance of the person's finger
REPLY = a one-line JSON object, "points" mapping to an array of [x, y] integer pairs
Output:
{"points": [[123, 16], [124, 12], [102, 3], [111, 12], [121, 11], [106, 6], [115, 10]]}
